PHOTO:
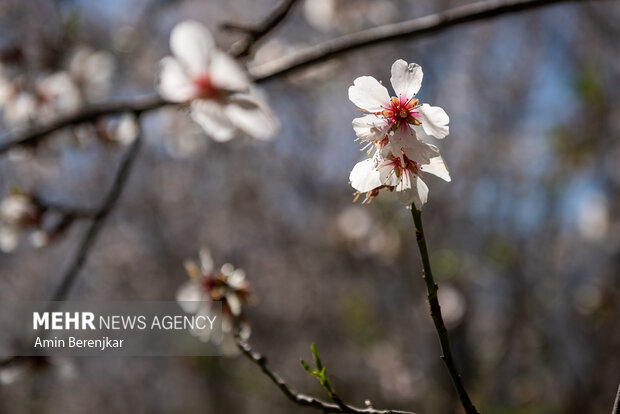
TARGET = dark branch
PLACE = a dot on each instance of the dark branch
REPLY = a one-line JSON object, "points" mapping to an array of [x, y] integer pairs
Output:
{"points": [[303, 399], [98, 220], [32, 136], [404, 30], [440, 327], [253, 34]]}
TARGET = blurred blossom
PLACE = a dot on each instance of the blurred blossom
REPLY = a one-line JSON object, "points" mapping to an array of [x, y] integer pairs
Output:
{"points": [[57, 94], [222, 97], [18, 213], [20, 108], [453, 305], [366, 237], [60, 368], [396, 379], [320, 14], [126, 130], [226, 285], [354, 223], [392, 127], [92, 71], [337, 15], [593, 218]]}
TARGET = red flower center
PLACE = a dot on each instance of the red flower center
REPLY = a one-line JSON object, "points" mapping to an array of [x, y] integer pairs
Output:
{"points": [[205, 87]]}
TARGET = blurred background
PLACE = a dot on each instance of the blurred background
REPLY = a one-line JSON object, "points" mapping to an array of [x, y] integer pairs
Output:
{"points": [[525, 240]]}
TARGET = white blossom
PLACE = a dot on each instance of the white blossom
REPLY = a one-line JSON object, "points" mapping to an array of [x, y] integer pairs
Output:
{"points": [[222, 98], [402, 116], [207, 285], [391, 126]]}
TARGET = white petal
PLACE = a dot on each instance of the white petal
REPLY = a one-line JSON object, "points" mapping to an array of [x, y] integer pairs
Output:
{"points": [[434, 120], [211, 117], [364, 177], [252, 117], [173, 83], [206, 261], [403, 137], [368, 94], [420, 151], [227, 74], [437, 167], [418, 195], [233, 303], [192, 43], [189, 296], [422, 193], [406, 79], [371, 128], [9, 239]]}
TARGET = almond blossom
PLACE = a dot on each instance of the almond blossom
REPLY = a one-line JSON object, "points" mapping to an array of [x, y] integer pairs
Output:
{"points": [[399, 118], [226, 285], [391, 127], [221, 96]]}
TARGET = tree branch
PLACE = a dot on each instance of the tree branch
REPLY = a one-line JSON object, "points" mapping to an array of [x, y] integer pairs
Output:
{"points": [[98, 220], [303, 399], [415, 28], [253, 34], [33, 135], [440, 327]]}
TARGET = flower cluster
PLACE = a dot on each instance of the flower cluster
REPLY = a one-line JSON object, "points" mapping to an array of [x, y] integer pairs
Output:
{"points": [[221, 97], [226, 285], [396, 129], [86, 77]]}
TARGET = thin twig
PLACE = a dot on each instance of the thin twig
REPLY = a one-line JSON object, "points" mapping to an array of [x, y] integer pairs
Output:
{"points": [[302, 59], [409, 29], [440, 327], [616, 409], [303, 399], [98, 220], [253, 34]]}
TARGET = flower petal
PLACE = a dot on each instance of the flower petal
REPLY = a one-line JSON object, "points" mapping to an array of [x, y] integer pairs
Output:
{"points": [[364, 177], [368, 94], [227, 74], [437, 167], [211, 117], [420, 152], [173, 83], [417, 195], [371, 128], [252, 116], [406, 79], [434, 120], [193, 44]]}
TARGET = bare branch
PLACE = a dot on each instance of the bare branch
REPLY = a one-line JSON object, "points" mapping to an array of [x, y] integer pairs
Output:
{"points": [[98, 220], [404, 30], [253, 34], [32, 136], [303, 399]]}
